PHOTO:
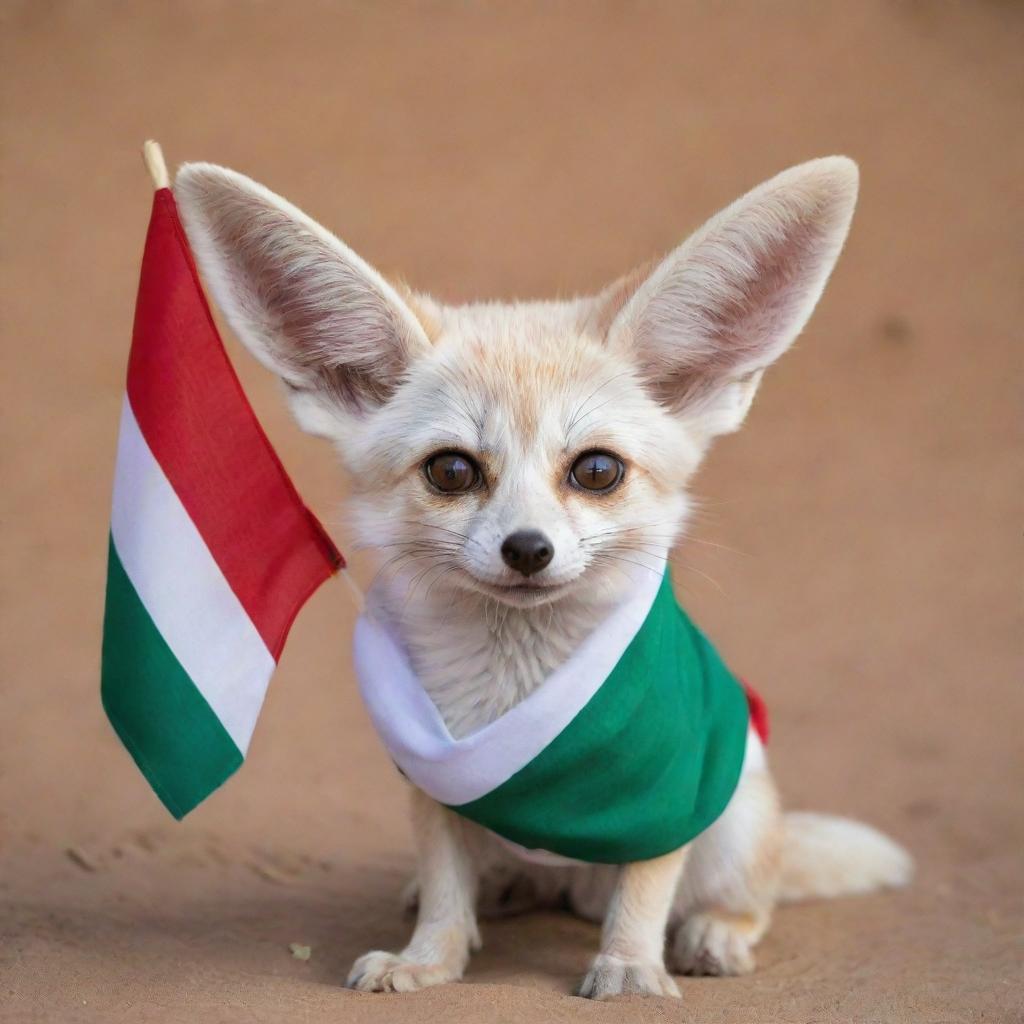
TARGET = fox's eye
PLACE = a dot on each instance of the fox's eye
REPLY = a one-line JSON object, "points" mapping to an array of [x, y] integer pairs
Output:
{"points": [[597, 471], [452, 472]]}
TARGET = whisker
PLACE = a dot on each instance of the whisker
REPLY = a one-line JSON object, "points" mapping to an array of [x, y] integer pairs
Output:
{"points": [[692, 568], [446, 568], [408, 560], [421, 543], [434, 526], [685, 539], [413, 583], [628, 561]]}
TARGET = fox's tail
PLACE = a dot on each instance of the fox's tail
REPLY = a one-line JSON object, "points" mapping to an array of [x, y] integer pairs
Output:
{"points": [[826, 856]]}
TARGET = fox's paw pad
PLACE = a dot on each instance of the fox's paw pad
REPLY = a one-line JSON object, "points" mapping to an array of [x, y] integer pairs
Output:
{"points": [[710, 945], [389, 972], [610, 976]]}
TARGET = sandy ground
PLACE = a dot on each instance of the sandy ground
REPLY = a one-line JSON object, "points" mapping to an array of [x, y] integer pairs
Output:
{"points": [[870, 512]]}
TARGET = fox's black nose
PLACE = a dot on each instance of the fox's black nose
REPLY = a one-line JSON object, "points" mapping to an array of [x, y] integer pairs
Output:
{"points": [[527, 551]]}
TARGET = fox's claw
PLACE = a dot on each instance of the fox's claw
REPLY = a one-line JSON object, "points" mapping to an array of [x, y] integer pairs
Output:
{"points": [[388, 972], [609, 976]]}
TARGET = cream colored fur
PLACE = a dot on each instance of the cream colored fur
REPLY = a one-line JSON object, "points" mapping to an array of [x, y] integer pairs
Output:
{"points": [[651, 369]]}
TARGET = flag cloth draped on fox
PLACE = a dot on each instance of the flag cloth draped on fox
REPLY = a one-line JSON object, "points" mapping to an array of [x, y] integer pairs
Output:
{"points": [[212, 552]]}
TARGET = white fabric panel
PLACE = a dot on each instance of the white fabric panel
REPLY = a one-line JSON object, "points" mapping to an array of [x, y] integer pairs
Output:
{"points": [[183, 589]]}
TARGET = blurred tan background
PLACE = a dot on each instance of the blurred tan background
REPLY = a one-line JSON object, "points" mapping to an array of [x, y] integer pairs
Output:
{"points": [[870, 574]]}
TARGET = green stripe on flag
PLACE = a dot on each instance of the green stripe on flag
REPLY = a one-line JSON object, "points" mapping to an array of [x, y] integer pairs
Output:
{"points": [[168, 727]]}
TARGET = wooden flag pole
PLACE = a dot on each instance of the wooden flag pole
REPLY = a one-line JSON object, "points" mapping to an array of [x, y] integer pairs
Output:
{"points": [[354, 591], [153, 157]]}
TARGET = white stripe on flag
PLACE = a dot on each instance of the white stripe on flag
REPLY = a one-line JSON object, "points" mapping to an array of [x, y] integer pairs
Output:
{"points": [[183, 589]]}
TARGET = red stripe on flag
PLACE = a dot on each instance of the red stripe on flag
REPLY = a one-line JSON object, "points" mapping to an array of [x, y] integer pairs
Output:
{"points": [[198, 423], [758, 712]]}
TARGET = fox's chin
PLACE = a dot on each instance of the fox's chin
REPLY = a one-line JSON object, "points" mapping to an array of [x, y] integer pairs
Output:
{"points": [[519, 595]]}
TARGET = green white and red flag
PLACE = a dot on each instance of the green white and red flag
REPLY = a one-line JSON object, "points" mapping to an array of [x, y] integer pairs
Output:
{"points": [[212, 551]]}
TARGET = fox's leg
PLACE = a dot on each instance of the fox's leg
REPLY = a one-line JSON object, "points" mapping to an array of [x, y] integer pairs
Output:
{"points": [[632, 957], [446, 928], [507, 884], [728, 892]]}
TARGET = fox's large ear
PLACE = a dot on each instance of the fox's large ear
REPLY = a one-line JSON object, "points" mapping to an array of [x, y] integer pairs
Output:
{"points": [[706, 321], [305, 304]]}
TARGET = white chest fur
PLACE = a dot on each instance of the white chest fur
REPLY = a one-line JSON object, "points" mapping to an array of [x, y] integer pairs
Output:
{"points": [[477, 659]]}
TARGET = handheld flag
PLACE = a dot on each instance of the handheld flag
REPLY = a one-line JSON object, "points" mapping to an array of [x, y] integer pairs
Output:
{"points": [[212, 552]]}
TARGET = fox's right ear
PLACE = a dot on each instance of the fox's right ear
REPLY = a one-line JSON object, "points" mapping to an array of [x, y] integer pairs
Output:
{"points": [[304, 304]]}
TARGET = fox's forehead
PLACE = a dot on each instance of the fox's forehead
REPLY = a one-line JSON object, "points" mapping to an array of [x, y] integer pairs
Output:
{"points": [[523, 385], [521, 377], [526, 381]]}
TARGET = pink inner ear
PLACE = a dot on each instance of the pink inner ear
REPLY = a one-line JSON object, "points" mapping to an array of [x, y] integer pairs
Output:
{"points": [[732, 303], [325, 325], [750, 320]]}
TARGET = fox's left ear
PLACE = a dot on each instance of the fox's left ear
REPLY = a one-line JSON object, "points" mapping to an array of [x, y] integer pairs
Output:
{"points": [[706, 321]]}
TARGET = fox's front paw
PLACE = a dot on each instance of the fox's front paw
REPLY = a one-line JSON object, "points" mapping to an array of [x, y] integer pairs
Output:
{"points": [[715, 946], [388, 972], [610, 976]]}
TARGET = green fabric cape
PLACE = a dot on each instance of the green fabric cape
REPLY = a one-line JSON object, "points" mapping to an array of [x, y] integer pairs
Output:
{"points": [[648, 763]]}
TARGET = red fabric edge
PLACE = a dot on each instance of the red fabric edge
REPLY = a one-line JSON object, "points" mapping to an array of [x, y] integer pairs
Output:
{"points": [[758, 712]]}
